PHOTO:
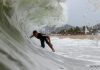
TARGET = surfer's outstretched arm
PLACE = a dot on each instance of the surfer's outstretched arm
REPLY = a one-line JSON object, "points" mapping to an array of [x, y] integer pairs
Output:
{"points": [[31, 36]]}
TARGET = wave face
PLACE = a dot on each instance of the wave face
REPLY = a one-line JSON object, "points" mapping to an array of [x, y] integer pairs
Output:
{"points": [[18, 18]]}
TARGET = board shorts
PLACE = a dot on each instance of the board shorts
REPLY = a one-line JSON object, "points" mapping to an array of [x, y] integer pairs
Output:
{"points": [[43, 42]]}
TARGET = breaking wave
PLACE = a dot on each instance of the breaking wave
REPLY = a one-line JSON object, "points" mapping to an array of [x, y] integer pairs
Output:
{"points": [[18, 18]]}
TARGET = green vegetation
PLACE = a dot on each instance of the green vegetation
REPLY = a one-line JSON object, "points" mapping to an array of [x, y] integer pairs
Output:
{"points": [[73, 31]]}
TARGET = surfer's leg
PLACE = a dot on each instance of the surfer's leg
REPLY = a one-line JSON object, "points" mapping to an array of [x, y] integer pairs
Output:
{"points": [[42, 44], [50, 45]]}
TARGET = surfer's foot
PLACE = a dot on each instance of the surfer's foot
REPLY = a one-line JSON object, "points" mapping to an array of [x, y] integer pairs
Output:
{"points": [[53, 50]]}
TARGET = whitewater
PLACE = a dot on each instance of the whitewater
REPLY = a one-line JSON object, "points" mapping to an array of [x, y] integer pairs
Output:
{"points": [[18, 18]]}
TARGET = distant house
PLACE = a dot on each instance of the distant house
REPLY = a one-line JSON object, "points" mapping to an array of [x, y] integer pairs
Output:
{"points": [[87, 31]]}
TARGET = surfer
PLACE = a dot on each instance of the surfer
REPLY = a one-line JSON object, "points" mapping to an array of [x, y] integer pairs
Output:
{"points": [[43, 38]]}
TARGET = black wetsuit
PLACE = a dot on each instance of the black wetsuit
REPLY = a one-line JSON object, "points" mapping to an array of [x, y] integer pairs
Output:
{"points": [[43, 39]]}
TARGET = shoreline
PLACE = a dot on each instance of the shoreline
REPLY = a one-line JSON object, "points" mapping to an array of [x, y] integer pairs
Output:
{"points": [[91, 37]]}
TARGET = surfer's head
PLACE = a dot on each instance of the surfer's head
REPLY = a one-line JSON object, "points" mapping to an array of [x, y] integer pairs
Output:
{"points": [[35, 32]]}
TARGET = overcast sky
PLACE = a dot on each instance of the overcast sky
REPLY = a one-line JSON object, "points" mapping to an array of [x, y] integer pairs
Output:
{"points": [[82, 12]]}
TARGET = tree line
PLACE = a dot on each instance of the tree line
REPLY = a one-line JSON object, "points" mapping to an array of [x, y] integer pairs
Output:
{"points": [[73, 31]]}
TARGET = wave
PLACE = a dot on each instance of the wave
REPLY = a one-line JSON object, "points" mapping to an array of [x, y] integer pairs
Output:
{"points": [[18, 18]]}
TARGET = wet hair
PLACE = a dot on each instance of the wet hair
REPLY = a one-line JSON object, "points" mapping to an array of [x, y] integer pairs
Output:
{"points": [[34, 32]]}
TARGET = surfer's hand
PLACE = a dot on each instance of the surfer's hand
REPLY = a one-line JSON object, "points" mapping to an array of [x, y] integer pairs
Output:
{"points": [[31, 36]]}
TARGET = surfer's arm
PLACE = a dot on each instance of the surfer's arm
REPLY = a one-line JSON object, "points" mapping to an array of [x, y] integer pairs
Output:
{"points": [[31, 36]]}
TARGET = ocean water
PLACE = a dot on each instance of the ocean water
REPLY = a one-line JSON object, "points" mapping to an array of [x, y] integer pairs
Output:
{"points": [[18, 18]]}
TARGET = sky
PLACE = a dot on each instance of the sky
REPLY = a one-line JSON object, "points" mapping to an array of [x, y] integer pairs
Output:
{"points": [[82, 12]]}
